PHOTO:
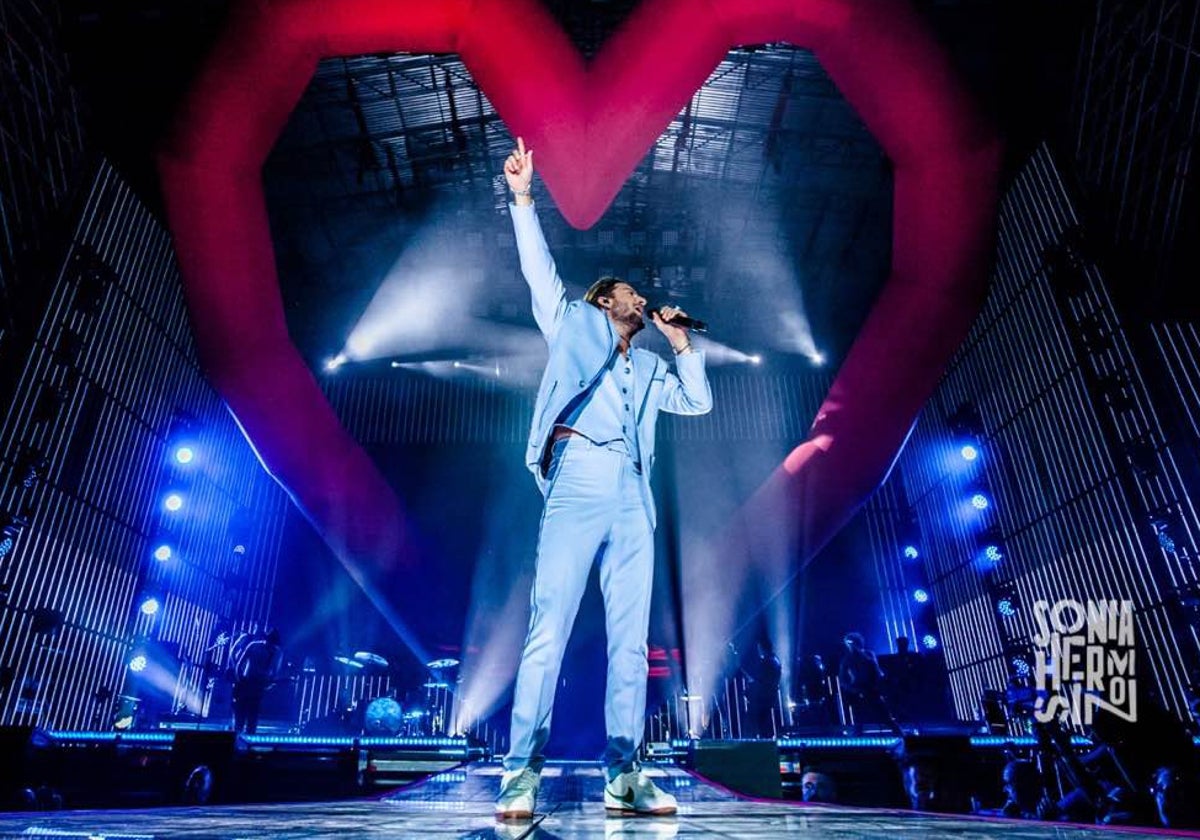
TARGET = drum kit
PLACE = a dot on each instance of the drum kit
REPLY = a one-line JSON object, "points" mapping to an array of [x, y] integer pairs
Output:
{"points": [[424, 711]]}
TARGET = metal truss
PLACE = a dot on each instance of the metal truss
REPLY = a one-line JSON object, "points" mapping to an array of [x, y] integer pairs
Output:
{"points": [[1135, 116]]}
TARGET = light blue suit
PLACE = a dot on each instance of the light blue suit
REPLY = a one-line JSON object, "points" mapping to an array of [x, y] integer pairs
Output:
{"points": [[598, 502]]}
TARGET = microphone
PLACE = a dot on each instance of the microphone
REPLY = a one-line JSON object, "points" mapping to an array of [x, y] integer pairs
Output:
{"points": [[683, 321]]}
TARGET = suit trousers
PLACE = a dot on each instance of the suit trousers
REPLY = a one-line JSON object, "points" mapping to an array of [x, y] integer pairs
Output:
{"points": [[593, 509]]}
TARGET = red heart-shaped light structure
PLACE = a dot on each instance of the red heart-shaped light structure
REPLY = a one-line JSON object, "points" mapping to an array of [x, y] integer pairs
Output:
{"points": [[590, 125]]}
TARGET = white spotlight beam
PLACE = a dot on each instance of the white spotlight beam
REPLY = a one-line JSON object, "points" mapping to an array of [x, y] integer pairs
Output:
{"points": [[716, 353]]}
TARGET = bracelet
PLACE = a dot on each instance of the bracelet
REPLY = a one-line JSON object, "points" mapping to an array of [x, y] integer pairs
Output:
{"points": [[687, 348], [525, 192]]}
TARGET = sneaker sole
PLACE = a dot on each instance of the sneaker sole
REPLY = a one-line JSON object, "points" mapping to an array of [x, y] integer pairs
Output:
{"points": [[630, 812]]}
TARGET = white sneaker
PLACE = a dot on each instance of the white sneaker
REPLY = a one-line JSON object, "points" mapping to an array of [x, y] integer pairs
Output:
{"points": [[634, 793], [518, 795]]}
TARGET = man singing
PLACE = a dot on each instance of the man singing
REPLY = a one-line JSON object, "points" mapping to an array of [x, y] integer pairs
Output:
{"points": [[591, 449]]}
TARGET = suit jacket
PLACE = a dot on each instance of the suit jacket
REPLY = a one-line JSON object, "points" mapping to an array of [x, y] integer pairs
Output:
{"points": [[582, 341]]}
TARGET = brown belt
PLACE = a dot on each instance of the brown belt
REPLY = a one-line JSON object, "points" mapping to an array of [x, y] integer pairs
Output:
{"points": [[562, 433]]}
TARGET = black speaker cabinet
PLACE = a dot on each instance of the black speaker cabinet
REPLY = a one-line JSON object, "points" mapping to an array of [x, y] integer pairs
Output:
{"points": [[18, 768], [750, 768], [203, 767]]}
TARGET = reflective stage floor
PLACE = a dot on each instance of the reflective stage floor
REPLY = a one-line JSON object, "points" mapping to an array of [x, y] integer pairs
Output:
{"points": [[458, 804]]}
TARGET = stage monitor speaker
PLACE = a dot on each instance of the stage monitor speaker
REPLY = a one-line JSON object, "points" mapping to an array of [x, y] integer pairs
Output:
{"points": [[202, 767], [750, 768], [941, 746], [949, 765], [15, 747]]}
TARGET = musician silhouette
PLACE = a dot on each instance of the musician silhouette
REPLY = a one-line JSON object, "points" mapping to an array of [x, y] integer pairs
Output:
{"points": [[257, 661], [763, 673], [861, 679]]}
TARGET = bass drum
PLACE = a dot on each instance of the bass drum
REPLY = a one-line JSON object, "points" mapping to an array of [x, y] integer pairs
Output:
{"points": [[383, 717]]}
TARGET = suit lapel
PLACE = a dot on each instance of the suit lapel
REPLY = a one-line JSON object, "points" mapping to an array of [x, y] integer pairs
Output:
{"points": [[644, 365]]}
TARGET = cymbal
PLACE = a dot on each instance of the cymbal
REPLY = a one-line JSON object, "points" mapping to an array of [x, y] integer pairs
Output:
{"points": [[348, 660], [432, 684], [368, 658], [438, 664]]}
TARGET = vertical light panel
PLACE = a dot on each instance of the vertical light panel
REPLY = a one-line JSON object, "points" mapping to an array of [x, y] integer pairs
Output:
{"points": [[1088, 497], [109, 382], [413, 408]]}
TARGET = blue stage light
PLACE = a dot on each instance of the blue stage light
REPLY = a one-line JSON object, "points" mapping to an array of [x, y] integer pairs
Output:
{"points": [[969, 452], [993, 553], [149, 605], [1165, 533], [929, 641], [860, 742], [173, 502], [979, 501], [184, 454], [87, 737], [138, 663], [10, 531], [911, 552], [1006, 607], [920, 596], [1020, 741], [1020, 666], [162, 553]]}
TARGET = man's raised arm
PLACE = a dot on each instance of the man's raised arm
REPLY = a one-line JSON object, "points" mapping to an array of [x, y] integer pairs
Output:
{"points": [[545, 286]]}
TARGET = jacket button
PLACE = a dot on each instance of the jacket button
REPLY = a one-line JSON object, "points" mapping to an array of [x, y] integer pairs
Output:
{"points": [[581, 383]]}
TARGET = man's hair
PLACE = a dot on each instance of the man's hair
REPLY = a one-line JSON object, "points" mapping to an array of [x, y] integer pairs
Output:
{"points": [[601, 288], [856, 638]]}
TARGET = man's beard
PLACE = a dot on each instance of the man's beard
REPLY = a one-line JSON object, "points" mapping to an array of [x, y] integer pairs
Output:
{"points": [[633, 320]]}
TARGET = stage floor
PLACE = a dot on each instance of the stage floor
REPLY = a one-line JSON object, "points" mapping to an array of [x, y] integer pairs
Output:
{"points": [[458, 804]]}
